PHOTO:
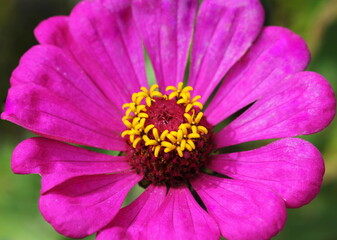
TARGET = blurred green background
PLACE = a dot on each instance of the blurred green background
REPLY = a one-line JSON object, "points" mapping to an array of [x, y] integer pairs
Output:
{"points": [[314, 20]]}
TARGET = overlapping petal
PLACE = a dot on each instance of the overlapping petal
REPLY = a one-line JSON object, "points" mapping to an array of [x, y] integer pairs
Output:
{"points": [[293, 167], [47, 114], [223, 33], [83, 205], [58, 162], [180, 217], [242, 209], [104, 42], [54, 31], [303, 104], [277, 54], [109, 38], [166, 28], [54, 70], [130, 221]]}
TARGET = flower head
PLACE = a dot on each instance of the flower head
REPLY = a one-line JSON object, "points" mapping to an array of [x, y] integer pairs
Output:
{"points": [[85, 83]]}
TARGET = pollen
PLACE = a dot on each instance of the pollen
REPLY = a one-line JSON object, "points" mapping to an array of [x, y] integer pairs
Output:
{"points": [[164, 131]]}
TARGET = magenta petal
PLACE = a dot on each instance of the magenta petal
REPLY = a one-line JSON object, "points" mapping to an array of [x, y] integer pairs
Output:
{"points": [[277, 54], [293, 167], [242, 209], [54, 31], [84, 205], [39, 110], [109, 38], [57, 161], [115, 5], [303, 104], [51, 68], [224, 31], [166, 28], [130, 221], [180, 217]]}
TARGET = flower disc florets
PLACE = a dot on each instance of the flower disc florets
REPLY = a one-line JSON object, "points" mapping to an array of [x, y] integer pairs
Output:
{"points": [[168, 137]]}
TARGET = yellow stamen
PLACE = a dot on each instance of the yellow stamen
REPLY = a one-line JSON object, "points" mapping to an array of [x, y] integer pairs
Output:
{"points": [[151, 143], [156, 94], [143, 115], [148, 128], [180, 86], [181, 101], [153, 87], [196, 98], [168, 145], [188, 147], [144, 89], [125, 105], [135, 142], [180, 152], [167, 150], [198, 118], [163, 135], [173, 95], [171, 138], [188, 117], [180, 135], [148, 101], [193, 135], [127, 123], [135, 121], [198, 104], [191, 143], [155, 133], [187, 89], [126, 132], [174, 133], [183, 145], [156, 151], [170, 88], [202, 129], [183, 128], [134, 97], [188, 107], [141, 108], [181, 139], [127, 113]]}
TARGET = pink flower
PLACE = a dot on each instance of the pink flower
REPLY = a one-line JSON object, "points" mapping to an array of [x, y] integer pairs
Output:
{"points": [[72, 86]]}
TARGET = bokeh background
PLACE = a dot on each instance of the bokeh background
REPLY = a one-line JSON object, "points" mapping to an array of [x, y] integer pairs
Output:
{"points": [[314, 20]]}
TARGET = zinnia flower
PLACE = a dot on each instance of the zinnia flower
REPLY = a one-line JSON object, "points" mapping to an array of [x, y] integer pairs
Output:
{"points": [[85, 84]]}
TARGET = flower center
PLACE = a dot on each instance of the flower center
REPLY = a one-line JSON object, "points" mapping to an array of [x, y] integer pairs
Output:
{"points": [[169, 139]]}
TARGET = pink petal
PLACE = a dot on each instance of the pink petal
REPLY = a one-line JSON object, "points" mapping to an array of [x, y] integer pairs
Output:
{"points": [[224, 31], [242, 209], [51, 68], [109, 38], [277, 54], [293, 167], [41, 111], [114, 5], [180, 217], [55, 31], [130, 221], [166, 28], [303, 104], [83, 205], [58, 162]]}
